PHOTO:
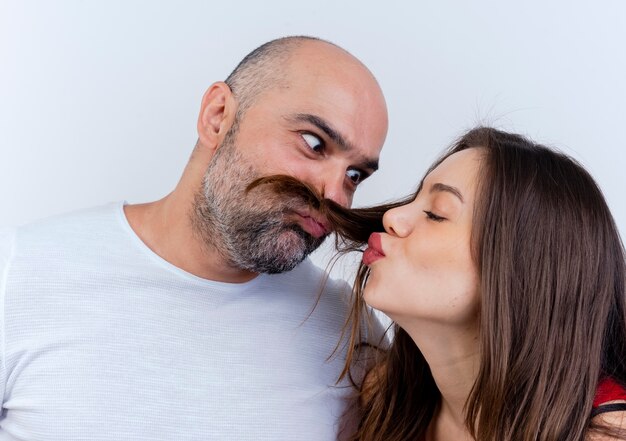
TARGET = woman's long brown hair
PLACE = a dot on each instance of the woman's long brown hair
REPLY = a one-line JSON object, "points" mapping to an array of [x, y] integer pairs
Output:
{"points": [[552, 318]]}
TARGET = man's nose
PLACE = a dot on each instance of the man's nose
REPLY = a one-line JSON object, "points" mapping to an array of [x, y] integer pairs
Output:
{"points": [[334, 188]]}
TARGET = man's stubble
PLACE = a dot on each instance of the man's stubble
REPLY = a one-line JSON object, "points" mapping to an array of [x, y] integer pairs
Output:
{"points": [[251, 230]]}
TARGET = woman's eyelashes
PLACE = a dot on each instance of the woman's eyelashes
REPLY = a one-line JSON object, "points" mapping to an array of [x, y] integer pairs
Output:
{"points": [[314, 142], [432, 216]]}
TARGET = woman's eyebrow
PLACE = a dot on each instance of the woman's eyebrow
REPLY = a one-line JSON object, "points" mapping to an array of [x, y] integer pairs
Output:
{"points": [[437, 187]]}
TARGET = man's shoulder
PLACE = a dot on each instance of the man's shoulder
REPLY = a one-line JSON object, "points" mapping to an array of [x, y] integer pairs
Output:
{"points": [[79, 216], [86, 222], [72, 232], [308, 285], [308, 273]]}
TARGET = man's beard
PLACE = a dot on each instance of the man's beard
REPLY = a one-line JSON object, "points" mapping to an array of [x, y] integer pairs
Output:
{"points": [[251, 230]]}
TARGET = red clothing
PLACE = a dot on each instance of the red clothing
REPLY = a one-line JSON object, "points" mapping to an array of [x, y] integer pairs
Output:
{"points": [[608, 390]]}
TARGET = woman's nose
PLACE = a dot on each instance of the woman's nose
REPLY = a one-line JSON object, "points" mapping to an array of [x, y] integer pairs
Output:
{"points": [[398, 221]]}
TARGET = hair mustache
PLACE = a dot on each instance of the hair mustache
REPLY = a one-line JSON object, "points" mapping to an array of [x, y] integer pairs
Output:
{"points": [[352, 226]]}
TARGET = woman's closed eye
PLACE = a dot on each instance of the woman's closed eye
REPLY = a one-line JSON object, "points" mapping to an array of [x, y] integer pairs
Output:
{"points": [[434, 217]]}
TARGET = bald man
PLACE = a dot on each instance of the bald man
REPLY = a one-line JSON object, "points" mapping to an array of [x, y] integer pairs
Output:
{"points": [[195, 317]]}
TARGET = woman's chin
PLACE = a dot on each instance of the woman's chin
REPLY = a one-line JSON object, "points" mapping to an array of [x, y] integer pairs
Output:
{"points": [[372, 297]]}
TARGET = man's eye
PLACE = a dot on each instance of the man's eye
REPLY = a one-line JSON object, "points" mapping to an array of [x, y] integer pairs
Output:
{"points": [[432, 216], [314, 142], [356, 176]]}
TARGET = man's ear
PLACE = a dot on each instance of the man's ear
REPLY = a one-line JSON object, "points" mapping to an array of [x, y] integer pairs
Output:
{"points": [[217, 115]]}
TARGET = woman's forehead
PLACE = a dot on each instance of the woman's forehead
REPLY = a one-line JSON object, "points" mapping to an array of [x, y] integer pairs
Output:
{"points": [[459, 170]]}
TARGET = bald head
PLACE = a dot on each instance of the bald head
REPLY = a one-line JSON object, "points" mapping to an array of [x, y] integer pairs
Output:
{"points": [[313, 99], [270, 66], [296, 106]]}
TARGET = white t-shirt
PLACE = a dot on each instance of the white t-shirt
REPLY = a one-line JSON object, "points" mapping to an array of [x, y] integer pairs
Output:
{"points": [[101, 339]]}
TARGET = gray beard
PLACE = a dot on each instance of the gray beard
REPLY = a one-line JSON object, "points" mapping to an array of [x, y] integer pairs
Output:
{"points": [[248, 229]]}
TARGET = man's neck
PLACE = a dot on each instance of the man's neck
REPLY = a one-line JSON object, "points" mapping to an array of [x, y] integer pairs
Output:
{"points": [[166, 227]]}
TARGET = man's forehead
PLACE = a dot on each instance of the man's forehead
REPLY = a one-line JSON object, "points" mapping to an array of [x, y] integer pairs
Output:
{"points": [[323, 85]]}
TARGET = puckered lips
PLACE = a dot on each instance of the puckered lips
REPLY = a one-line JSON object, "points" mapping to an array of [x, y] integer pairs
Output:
{"points": [[313, 223], [374, 250]]}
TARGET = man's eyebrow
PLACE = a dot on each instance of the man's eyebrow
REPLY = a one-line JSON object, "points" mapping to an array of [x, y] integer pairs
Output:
{"points": [[335, 136], [447, 188]]}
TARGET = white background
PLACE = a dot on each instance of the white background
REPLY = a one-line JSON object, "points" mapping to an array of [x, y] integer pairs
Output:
{"points": [[99, 99]]}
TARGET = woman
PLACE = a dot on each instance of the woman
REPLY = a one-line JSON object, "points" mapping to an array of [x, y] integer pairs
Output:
{"points": [[505, 278]]}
